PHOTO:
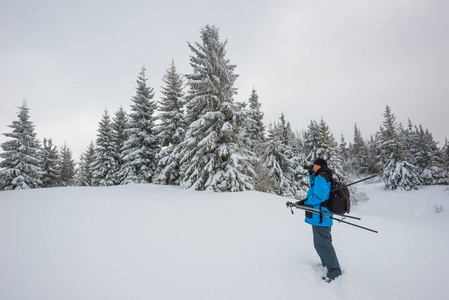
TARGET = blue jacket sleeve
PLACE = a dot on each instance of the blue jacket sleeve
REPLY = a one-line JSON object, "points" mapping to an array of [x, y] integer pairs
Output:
{"points": [[311, 184], [319, 192]]}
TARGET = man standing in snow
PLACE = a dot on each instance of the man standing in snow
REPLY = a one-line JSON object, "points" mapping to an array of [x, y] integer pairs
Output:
{"points": [[319, 191]]}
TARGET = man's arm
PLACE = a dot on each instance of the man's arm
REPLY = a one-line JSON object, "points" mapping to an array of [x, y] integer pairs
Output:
{"points": [[320, 192]]}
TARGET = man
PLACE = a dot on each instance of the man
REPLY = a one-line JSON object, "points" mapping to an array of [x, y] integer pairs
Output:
{"points": [[319, 191]]}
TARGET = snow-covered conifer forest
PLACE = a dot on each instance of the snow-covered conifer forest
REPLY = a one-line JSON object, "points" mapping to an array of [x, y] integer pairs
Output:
{"points": [[200, 136]]}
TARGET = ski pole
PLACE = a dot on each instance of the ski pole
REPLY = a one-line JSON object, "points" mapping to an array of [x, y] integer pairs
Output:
{"points": [[341, 220]]}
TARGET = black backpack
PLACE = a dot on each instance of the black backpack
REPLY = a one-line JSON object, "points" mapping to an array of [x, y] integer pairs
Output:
{"points": [[339, 201]]}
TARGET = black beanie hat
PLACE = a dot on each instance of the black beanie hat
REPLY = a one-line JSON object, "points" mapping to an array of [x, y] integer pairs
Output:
{"points": [[320, 162]]}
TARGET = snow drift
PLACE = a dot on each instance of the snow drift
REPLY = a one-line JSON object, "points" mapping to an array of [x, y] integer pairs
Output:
{"points": [[160, 242]]}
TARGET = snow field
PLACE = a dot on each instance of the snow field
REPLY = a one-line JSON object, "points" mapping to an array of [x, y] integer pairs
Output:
{"points": [[160, 242]]}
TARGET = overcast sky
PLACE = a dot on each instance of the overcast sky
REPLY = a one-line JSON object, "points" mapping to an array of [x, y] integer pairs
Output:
{"points": [[340, 60]]}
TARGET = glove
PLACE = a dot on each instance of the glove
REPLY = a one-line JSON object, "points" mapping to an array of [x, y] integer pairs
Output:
{"points": [[301, 202]]}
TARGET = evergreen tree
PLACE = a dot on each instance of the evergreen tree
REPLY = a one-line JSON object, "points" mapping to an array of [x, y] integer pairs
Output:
{"points": [[312, 143], [255, 134], [67, 166], [426, 155], [140, 150], [277, 159], [344, 152], [119, 126], [359, 153], [172, 126], [256, 128], [51, 172], [373, 154], [171, 108], [105, 165], [21, 167], [330, 149], [445, 154], [84, 175], [398, 172], [215, 154]]}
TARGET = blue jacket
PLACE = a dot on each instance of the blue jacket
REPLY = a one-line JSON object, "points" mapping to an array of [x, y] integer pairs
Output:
{"points": [[319, 191]]}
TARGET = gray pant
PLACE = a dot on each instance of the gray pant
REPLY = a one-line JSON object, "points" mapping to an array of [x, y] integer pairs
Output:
{"points": [[322, 240]]}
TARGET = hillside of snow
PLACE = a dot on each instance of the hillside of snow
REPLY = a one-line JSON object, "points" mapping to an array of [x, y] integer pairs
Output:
{"points": [[160, 242]]}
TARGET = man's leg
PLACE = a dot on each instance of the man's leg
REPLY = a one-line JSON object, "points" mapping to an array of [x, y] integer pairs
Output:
{"points": [[322, 240]]}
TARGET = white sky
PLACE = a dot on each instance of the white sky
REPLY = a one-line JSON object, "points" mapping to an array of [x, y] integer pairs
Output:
{"points": [[340, 60]]}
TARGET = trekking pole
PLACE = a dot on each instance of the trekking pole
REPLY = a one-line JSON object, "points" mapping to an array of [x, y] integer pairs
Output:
{"points": [[332, 218]]}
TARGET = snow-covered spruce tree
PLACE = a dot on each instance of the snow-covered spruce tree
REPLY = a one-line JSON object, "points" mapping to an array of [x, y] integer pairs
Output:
{"points": [[84, 174], [172, 127], [255, 133], [80, 178], [171, 109], [359, 153], [51, 171], [426, 155], [119, 126], [278, 160], [139, 153], [301, 176], [445, 154], [256, 128], [215, 154], [21, 164], [67, 166], [374, 166], [295, 153], [398, 172], [104, 166], [346, 159]]}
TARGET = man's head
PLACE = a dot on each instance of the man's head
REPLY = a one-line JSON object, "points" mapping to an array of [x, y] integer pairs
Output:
{"points": [[317, 164]]}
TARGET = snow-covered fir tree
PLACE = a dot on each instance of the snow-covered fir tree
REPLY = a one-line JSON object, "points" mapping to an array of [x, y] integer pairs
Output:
{"points": [[67, 166], [215, 154], [171, 109], [172, 126], [84, 175], [359, 153], [105, 165], [256, 128], [312, 143], [21, 164], [425, 155], [343, 152], [119, 126], [51, 171], [398, 171], [330, 149], [445, 154], [255, 133], [278, 160], [374, 166], [139, 153]]}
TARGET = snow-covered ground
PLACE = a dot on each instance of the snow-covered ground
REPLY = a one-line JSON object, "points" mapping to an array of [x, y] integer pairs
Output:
{"points": [[160, 242]]}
